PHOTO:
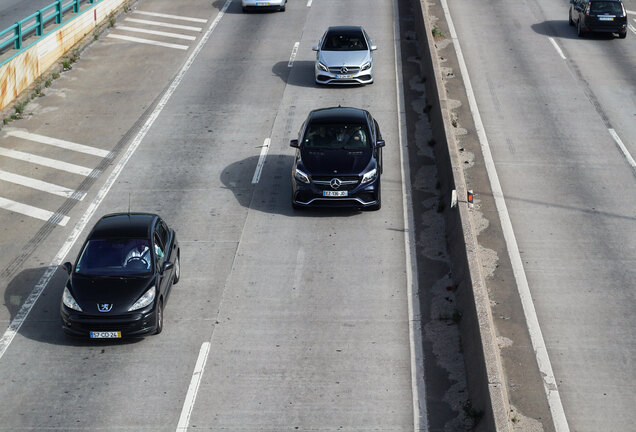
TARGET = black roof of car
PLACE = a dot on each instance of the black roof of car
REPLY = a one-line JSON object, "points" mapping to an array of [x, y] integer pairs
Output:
{"points": [[123, 225], [338, 115]]}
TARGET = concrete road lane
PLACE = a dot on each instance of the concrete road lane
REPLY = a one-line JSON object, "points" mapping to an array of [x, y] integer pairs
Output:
{"points": [[569, 191], [305, 312]]}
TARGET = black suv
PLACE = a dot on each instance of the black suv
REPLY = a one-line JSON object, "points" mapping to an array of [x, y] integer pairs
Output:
{"points": [[608, 16], [338, 160]]}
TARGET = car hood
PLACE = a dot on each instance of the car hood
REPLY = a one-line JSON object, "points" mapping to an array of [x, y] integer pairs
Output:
{"points": [[330, 162], [344, 58], [121, 292]]}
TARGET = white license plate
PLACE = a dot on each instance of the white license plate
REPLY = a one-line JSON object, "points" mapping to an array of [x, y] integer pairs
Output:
{"points": [[606, 18], [105, 334], [344, 76], [262, 3], [334, 193]]}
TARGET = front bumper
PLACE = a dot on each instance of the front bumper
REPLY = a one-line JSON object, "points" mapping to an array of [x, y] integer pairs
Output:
{"points": [[312, 195], [263, 3], [339, 77], [136, 323]]}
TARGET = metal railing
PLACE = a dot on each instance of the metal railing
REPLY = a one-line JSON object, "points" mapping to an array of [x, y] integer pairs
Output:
{"points": [[35, 23]]}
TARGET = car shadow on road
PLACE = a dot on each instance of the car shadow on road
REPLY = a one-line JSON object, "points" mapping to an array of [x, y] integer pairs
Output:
{"points": [[301, 74], [42, 322], [562, 30], [272, 192]]}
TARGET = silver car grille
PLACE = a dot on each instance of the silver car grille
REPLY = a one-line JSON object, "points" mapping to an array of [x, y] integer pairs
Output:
{"points": [[344, 69]]}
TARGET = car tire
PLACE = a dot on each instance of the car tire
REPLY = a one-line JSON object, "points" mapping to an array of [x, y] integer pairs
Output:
{"points": [[159, 318], [244, 9], [295, 206], [622, 35], [282, 8], [570, 19], [177, 269], [579, 30]]}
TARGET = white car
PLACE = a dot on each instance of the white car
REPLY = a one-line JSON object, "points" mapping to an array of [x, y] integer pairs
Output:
{"points": [[344, 56], [264, 4]]}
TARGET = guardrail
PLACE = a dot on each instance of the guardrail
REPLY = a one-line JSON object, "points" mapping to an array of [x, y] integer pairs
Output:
{"points": [[36, 22]]}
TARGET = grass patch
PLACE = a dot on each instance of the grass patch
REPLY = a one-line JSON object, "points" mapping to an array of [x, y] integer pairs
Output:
{"points": [[437, 34]]}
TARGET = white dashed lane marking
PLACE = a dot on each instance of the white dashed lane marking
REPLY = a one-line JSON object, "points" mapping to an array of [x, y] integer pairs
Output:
{"points": [[47, 162], [164, 24], [148, 41], [177, 17], [33, 212], [68, 145]]}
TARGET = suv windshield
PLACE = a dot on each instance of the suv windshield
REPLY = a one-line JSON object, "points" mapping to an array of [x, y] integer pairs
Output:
{"points": [[115, 257], [336, 137], [344, 41], [606, 7]]}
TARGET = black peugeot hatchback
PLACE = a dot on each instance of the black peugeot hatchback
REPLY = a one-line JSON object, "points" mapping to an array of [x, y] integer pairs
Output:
{"points": [[122, 278], [338, 160], [607, 16]]}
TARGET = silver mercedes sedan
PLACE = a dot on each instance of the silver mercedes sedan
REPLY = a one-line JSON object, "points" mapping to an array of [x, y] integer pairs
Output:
{"points": [[344, 56], [263, 4]]}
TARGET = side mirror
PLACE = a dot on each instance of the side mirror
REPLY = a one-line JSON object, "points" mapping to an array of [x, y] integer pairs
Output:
{"points": [[315, 48], [294, 143], [167, 266], [375, 47], [68, 267], [380, 143]]}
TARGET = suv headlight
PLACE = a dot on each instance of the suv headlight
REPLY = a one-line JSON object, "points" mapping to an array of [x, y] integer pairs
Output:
{"points": [[366, 66], [69, 301], [301, 176], [321, 66], [370, 176], [144, 300]]}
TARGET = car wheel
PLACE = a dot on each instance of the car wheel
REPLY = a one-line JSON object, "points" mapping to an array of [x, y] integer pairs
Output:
{"points": [[570, 19], [244, 9], [159, 317], [282, 8], [177, 270], [579, 30], [622, 35]]}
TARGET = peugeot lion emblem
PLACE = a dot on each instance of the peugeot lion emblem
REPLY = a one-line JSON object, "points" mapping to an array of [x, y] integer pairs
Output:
{"points": [[335, 183], [104, 307]]}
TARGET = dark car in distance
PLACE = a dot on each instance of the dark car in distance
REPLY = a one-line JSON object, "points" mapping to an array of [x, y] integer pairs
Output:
{"points": [[603, 16], [121, 280], [338, 160]]}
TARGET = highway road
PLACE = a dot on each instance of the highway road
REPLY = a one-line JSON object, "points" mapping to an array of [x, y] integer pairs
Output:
{"points": [[559, 114], [282, 320]]}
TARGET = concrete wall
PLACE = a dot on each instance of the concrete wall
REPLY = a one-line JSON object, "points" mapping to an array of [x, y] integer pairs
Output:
{"points": [[481, 353], [23, 69]]}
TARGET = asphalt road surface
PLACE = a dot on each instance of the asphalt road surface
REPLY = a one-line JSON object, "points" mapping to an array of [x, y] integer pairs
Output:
{"points": [[560, 115], [283, 319]]}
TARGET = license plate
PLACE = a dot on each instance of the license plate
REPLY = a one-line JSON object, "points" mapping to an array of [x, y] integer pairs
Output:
{"points": [[344, 76], [262, 3], [606, 18], [105, 334], [334, 193]]}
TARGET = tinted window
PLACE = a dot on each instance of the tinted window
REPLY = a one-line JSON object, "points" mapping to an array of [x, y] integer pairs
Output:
{"points": [[344, 41], [336, 136], [115, 257], [606, 7]]}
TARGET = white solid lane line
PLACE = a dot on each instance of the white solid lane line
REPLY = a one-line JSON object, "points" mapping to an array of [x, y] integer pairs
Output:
{"points": [[536, 336], [193, 389], [621, 146], [27, 306], [147, 41], [51, 163], [309, 3], [156, 32], [41, 185], [33, 212], [81, 148], [293, 55], [163, 24], [557, 48], [178, 17], [261, 161]]}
